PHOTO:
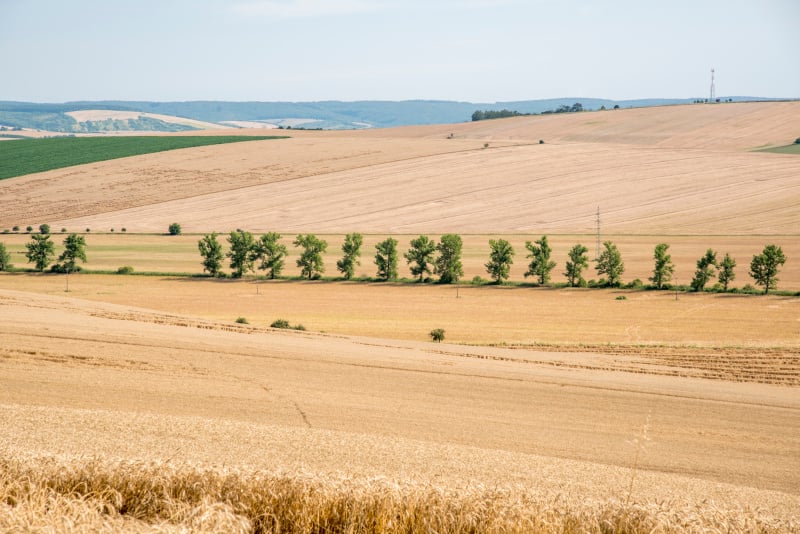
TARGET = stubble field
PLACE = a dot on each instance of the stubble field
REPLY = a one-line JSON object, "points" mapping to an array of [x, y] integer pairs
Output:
{"points": [[137, 403]]}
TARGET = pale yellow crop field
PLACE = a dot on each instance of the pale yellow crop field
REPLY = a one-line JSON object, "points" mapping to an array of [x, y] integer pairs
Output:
{"points": [[553, 410]]}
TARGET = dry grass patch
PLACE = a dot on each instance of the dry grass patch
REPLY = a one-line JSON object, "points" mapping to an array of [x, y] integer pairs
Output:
{"points": [[101, 495]]}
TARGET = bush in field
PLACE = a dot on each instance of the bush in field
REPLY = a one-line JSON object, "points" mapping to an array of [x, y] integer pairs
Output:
{"points": [[15, 229], [351, 251], [386, 259], [63, 230], [211, 251], [310, 262], [705, 270], [540, 265], [420, 256], [448, 265], [764, 267], [578, 261], [501, 256], [610, 264], [242, 320], [44, 228], [40, 251], [29, 229], [271, 253], [174, 229], [437, 335], [280, 323], [125, 269], [5, 258]]}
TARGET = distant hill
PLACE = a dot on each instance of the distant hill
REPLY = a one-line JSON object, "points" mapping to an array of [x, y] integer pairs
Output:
{"points": [[329, 115]]}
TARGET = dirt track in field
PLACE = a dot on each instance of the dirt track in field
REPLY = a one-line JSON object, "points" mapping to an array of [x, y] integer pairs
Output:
{"points": [[339, 403], [681, 169]]}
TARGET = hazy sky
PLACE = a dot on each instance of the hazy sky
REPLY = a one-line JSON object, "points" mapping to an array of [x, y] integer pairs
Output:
{"points": [[469, 50]]}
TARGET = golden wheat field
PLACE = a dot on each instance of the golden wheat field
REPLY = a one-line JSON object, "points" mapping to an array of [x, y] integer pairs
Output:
{"points": [[139, 404]]}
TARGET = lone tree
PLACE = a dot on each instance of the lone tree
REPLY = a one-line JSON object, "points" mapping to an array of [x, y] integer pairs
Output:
{"points": [[764, 267], [726, 274], [437, 335], [241, 253], [663, 269], [351, 251], [578, 261], [74, 249], [40, 251], [501, 256], [610, 263], [705, 270], [211, 250], [386, 259], [310, 261], [540, 265], [174, 229], [270, 253], [448, 263], [420, 256], [44, 228], [5, 258]]}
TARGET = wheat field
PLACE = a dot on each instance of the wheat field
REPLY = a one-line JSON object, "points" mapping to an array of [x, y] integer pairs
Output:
{"points": [[139, 404]]}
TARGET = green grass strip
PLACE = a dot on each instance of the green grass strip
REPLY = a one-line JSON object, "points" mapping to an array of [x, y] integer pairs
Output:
{"points": [[789, 149], [28, 156]]}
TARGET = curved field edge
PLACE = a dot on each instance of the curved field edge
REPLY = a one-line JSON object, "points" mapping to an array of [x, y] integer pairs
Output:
{"points": [[38, 155], [54, 492]]}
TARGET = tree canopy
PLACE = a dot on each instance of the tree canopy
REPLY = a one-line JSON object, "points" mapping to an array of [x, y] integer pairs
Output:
{"points": [[211, 250], [764, 267], [610, 263], [448, 264], [501, 257], [578, 261], [310, 262], [541, 265], [351, 251], [271, 253], [40, 251], [386, 259], [420, 256]]}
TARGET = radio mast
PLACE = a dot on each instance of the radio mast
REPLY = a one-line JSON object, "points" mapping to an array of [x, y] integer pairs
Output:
{"points": [[713, 90]]}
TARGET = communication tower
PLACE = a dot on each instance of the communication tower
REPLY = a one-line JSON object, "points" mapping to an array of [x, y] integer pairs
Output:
{"points": [[713, 90]]}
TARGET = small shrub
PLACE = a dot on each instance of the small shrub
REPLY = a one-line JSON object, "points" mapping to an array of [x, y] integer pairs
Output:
{"points": [[63, 230], [485, 145], [299, 327], [634, 284], [125, 269], [62, 269], [124, 229], [112, 230], [478, 281], [88, 230], [242, 320], [6, 231], [280, 323], [541, 141], [621, 297], [437, 335], [44, 228], [174, 229], [29, 229], [15, 229], [797, 141]]}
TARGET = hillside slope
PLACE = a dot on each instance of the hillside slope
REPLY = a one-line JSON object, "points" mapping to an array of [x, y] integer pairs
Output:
{"points": [[682, 169]]}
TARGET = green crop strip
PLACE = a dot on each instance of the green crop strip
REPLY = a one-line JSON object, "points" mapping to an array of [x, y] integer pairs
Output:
{"points": [[27, 156]]}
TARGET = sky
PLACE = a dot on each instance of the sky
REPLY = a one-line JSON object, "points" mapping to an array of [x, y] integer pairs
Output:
{"points": [[480, 51]]}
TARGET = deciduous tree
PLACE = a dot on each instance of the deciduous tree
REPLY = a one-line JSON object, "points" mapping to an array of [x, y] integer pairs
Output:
{"points": [[386, 259], [271, 253], [5, 258], [540, 265], [174, 229], [40, 251], [74, 249], [448, 264], [241, 253], [420, 256], [663, 268], [610, 263], [501, 257], [310, 261], [705, 270], [578, 261], [211, 250], [764, 267], [351, 251], [726, 274]]}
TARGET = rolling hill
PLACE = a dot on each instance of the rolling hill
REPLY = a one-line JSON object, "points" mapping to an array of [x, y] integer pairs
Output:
{"points": [[680, 169]]}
